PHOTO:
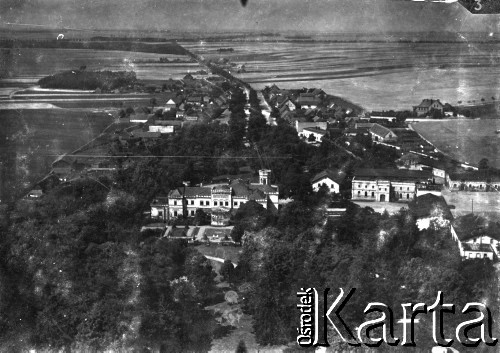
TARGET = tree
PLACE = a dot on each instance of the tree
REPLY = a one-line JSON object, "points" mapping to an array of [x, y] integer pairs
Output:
{"points": [[153, 103], [256, 124], [201, 218], [129, 111], [484, 164], [242, 348], [227, 271], [311, 138], [237, 233]]}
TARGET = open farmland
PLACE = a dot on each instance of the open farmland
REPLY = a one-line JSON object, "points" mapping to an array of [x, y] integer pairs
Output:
{"points": [[23, 67], [465, 140], [367, 73], [486, 204], [39, 136]]}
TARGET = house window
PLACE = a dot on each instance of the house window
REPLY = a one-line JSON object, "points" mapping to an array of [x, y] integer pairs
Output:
{"points": [[192, 202], [407, 189], [201, 203], [235, 203], [400, 188], [175, 213], [192, 213], [175, 203], [366, 193], [332, 187], [359, 192], [373, 194], [373, 186], [407, 196], [226, 203], [215, 203]]}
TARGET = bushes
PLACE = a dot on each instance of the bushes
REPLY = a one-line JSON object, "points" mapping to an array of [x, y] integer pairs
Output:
{"points": [[89, 80]]}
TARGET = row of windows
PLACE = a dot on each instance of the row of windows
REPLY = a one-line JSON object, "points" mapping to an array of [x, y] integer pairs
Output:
{"points": [[366, 193], [480, 186], [373, 194], [373, 187], [207, 203], [478, 255]]}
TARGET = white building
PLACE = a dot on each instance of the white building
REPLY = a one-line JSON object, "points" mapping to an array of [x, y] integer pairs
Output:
{"points": [[329, 178], [314, 132], [477, 238], [184, 201], [386, 185]]}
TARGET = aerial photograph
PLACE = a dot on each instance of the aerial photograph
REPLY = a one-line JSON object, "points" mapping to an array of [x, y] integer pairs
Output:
{"points": [[233, 176]]}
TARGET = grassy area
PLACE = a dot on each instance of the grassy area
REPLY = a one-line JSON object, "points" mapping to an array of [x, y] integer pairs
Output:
{"points": [[225, 252], [178, 232], [39, 136], [486, 204], [465, 140]]}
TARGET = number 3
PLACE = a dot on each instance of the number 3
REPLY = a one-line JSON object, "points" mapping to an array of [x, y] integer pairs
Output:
{"points": [[479, 5]]}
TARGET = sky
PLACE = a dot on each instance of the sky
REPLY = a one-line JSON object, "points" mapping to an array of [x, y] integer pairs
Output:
{"points": [[360, 16]]}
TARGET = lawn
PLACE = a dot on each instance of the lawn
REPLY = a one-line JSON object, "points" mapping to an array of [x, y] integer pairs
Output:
{"points": [[40, 136], [486, 204], [178, 232], [465, 140]]}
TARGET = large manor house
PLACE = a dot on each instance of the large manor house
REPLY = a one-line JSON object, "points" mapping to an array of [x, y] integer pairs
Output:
{"points": [[216, 199]]}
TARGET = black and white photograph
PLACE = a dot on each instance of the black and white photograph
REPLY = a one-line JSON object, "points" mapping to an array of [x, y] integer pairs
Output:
{"points": [[249, 176]]}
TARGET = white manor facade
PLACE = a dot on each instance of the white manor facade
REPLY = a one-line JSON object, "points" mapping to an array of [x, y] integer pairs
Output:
{"points": [[217, 199], [388, 185]]}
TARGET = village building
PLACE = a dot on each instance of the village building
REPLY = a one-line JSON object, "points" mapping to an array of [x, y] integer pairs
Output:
{"points": [[288, 104], [477, 238], [172, 103], [308, 100], [217, 199], [146, 134], [387, 185], [427, 105], [414, 161], [473, 181], [162, 129], [329, 178], [300, 126], [159, 208], [314, 134], [380, 133], [195, 100], [35, 193], [410, 140]]}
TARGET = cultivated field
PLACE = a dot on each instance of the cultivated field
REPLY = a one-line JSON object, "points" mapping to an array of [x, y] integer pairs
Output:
{"points": [[42, 135], [465, 140], [486, 204], [375, 75]]}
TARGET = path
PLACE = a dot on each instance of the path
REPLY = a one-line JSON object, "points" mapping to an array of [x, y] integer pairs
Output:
{"points": [[218, 259]]}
